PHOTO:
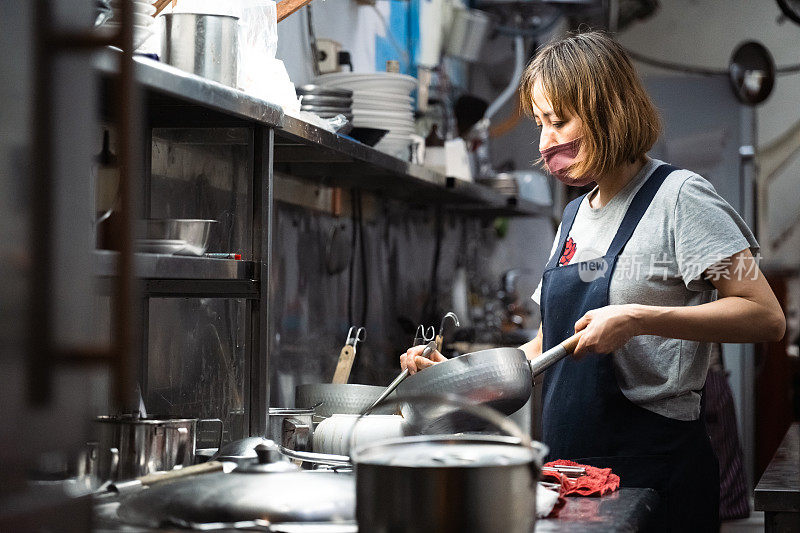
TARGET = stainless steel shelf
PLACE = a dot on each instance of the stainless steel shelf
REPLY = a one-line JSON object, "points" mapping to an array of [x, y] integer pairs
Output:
{"points": [[177, 98], [160, 266]]}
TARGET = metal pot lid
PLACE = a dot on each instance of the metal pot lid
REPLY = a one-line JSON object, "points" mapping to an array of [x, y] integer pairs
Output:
{"points": [[306, 496], [448, 451], [240, 449]]}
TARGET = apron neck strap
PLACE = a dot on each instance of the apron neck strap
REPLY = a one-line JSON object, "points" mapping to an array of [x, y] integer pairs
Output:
{"points": [[637, 208], [566, 224]]}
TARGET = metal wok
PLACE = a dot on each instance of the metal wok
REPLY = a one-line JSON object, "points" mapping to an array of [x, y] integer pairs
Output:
{"points": [[339, 398], [501, 378]]}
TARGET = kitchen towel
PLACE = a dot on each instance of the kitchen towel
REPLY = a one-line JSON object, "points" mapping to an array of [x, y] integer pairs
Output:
{"points": [[596, 481]]}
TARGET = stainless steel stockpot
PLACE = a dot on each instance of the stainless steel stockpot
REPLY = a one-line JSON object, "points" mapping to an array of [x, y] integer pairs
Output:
{"points": [[130, 446], [447, 483]]}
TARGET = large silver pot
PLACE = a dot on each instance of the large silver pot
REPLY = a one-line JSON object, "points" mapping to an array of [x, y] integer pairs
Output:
{"points": [[130, 446], [469, 483], [206, 45]]}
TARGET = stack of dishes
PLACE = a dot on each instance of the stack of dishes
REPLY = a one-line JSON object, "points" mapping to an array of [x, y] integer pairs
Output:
{"points": [[326, 102], [142, 20], [380, 100]]}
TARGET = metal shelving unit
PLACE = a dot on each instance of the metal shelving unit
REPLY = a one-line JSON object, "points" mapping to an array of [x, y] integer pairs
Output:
{"points": [[173, 99], [176, 98], [160, 266]]}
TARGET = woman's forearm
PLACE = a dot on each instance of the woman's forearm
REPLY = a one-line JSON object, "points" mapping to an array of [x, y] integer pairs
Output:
{"points": [[533, 348], [729, 319]]}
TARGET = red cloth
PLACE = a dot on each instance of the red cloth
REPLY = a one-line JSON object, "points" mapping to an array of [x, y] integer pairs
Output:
{"points": [[596, 481]]}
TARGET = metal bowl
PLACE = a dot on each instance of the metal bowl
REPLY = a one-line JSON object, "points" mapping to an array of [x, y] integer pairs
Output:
{"points": [[194, 232]]}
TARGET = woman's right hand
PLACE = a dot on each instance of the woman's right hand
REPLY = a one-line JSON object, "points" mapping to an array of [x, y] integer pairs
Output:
{"points": [[414, 362]]}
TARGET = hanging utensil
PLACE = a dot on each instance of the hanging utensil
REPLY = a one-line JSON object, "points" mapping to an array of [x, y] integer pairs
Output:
{"points": [[440, 337], [431, 346], [348, 354], [424, 335]]}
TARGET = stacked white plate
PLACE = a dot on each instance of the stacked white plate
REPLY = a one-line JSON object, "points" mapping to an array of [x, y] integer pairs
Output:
{"points": [[380, 100], [142, 20]]}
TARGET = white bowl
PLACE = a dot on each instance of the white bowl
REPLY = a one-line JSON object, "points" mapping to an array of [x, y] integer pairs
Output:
{"points": [[402, 108], [384, 113], [380, 96], [386, 82]]}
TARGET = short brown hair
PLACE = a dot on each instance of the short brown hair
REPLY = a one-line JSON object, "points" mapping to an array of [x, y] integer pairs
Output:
{"points": [[590, 75]]}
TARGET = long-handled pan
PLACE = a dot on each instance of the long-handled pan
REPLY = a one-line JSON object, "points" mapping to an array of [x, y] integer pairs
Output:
{"points": [[501, 378]]}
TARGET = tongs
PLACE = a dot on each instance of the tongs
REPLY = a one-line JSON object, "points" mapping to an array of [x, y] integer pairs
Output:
{"points": [[348, 353]]}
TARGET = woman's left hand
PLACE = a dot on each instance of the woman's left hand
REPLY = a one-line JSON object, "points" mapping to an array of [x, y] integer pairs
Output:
{"points": [[605, 329]]}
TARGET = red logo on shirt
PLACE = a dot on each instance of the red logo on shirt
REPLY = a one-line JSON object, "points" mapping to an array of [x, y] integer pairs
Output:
{"points": [[569, 251]]}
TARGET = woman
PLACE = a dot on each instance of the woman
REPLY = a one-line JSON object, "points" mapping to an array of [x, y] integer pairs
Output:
{"points": [[633, 268]]}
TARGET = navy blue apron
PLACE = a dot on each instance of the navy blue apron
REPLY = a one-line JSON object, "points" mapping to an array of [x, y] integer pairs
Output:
{"points": [[585, 415]]}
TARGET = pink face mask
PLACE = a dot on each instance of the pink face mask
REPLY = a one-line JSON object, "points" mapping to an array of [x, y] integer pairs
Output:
{"points": [[559, 157]]}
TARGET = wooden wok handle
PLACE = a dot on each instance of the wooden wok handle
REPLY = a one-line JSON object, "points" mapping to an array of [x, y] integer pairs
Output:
{"points": [[572, 343], [554, 354], [344, 365], [287, 7]]}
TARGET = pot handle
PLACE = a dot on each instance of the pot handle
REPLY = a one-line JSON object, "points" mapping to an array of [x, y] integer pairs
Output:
{"points": [[113, 469], [183, 445], [221, 428], [301, 431], [554, 355], [492, 416]]}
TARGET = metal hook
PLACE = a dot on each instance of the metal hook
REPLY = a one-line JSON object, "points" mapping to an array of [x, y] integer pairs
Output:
{"points": [[452, 316], [360, 336]]}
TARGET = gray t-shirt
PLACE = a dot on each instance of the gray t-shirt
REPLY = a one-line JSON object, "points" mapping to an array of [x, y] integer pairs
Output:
{"points": [[687, 229]]}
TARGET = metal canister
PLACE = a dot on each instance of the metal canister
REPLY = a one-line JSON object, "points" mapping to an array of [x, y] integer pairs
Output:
{"points": [[206, 45], [291, 427]]}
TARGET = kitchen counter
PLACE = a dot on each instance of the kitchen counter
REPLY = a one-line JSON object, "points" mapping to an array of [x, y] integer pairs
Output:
{"points": [[624, 510], [778, 490]]}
